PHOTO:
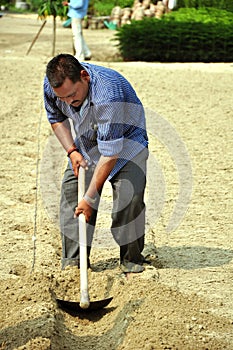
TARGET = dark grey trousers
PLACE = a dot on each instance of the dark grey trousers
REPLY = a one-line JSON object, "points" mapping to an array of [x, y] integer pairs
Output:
{"points": [[128, 212]]}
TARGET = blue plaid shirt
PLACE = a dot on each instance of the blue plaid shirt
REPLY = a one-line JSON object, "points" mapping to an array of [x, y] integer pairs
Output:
{"points": [[111, 120]]}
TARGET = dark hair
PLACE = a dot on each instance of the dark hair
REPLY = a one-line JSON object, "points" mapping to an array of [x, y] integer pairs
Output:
{"points": [[61, 67]]}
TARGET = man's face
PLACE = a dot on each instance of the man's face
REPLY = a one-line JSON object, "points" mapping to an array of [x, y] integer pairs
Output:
{"points": [[74, 93]]}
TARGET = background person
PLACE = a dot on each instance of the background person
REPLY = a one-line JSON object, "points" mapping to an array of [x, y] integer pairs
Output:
{"points": [[170, 5], [77, 11]]}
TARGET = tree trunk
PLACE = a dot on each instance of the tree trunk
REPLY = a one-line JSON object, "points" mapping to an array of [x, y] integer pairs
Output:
{"points": [[54, 35]]}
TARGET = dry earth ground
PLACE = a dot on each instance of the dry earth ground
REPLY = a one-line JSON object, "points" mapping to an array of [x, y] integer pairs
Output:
{"points": [[184, 300]]}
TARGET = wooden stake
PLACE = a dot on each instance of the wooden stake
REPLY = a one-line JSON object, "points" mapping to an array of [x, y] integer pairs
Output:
{"points": [[36, 37]]}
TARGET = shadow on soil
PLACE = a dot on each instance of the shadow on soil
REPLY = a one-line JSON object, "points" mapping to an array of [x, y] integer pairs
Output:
{"points": [[190, 258], [54, 329]]}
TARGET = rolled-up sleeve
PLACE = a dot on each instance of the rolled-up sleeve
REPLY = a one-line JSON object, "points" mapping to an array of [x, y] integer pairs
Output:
{"points": [[111, 147]]}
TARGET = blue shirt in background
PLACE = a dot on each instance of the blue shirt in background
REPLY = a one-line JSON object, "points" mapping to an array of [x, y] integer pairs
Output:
{"points": [[78, 8]]}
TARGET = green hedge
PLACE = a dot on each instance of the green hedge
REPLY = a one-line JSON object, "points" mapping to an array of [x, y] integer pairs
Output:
{"points": [[186, 35], [203, 15], [104, 8], [220, 4]]}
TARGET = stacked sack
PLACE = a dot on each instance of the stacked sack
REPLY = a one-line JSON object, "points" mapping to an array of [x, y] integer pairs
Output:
{"points": [[140, 9]]}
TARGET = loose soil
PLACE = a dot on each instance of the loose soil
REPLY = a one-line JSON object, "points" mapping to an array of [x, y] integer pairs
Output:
{"points": [[183, 300]]}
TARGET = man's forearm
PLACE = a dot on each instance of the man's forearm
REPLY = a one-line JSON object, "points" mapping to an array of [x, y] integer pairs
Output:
{"points": [[62, 131], [101, 173]]}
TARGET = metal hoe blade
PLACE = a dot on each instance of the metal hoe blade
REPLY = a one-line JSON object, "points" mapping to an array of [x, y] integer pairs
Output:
{"points": [[75, 307]]}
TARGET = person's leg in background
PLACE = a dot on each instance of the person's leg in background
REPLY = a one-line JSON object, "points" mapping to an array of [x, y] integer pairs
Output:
{"points": [[82, 51]]}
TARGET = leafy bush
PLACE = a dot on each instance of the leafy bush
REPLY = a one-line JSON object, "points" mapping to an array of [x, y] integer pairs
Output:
{"points": [[187, 35], [104, 8], [100, 8], [52, 8], [203, 15], [220, 4]]}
